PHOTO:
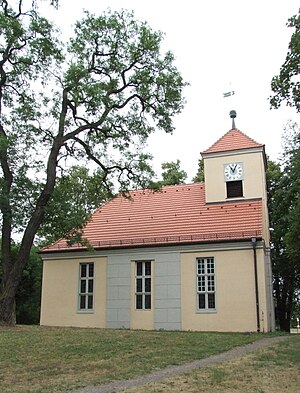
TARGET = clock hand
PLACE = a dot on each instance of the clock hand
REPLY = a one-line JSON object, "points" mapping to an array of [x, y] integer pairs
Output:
{"points": [[233, 168]]}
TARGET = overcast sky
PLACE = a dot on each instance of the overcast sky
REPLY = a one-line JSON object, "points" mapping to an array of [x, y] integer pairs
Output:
{"points": [[218, 46]]}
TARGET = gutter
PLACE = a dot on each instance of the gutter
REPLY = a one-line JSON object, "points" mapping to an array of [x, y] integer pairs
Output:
{"points": [[254, 243], [127, 246]]}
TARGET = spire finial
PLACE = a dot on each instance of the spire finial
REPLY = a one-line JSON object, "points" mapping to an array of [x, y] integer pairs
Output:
{"points": [[233, 116]]}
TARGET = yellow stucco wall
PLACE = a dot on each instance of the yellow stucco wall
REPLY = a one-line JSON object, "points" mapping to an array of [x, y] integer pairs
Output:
{"points": [[235, 292], [141, 319], [254, 183], [59, 306]]}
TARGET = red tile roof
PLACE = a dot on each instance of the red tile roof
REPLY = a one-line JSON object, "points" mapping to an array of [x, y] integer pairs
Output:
{"points": [[233, 140], [176, 214]]}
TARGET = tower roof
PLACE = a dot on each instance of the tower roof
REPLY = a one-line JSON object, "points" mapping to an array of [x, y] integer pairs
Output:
{"points": [[234, 139]]}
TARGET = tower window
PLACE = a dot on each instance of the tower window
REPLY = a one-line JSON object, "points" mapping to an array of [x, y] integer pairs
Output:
{"points": [[234, 189]]}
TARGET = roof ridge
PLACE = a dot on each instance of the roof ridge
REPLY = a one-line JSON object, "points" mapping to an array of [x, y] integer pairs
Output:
{"points": [[144, 190]]}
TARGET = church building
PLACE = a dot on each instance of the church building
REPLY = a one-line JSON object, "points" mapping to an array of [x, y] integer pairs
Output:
{"points": [[186, 257]]}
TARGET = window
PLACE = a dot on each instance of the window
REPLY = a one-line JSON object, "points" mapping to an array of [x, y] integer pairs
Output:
{"points": [[234, 189], [206, 289], [86, 286], [143, 285]]}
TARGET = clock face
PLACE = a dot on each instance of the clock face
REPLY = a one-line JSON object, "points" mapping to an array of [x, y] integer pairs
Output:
{"points": [[233, 171]]}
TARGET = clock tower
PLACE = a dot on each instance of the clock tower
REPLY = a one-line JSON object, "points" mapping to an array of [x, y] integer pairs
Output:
{"points": [[235, 177], [234, 169]]}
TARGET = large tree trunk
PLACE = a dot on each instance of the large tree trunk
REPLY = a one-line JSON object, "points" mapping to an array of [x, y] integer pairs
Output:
{"points": [[10, 285], [284, 289], [284, 317], [14, 270], [7, 294], [10, 58], [13, 277], [8, 306]]}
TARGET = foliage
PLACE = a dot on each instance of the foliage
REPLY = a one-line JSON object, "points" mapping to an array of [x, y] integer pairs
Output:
{"points": [[94, 100], [76, 195], [292, 166], [284, 189], [28, 297], [200, 173], [284, 200], [172, 173], [286, 85]]}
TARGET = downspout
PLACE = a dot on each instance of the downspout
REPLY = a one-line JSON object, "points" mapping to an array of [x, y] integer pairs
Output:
{"points": [[254, 242]]}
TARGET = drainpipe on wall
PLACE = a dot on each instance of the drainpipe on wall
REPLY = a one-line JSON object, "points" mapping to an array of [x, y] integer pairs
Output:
{"points": [[254, 242]]}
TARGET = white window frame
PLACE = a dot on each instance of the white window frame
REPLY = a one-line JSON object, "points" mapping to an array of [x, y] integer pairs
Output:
{"points": [[206, 282], [143, 294], [87, 294]]}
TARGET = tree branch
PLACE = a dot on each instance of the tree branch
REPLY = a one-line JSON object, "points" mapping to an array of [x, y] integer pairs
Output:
{"points": [[133, 96], [90, 154]]}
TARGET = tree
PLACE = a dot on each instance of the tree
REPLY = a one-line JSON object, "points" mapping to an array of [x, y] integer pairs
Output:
{"points": [[172, 174], [96, 99], [200, 173], [284, 200], [292, 236], [284, 190], [286, 85], [292, 166], [281, 263]]}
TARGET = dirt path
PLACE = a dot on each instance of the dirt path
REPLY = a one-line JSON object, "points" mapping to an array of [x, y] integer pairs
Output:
{"points": [[156, 376]]}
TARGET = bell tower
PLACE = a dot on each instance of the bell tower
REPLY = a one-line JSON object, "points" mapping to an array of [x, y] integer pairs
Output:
{"points": [[234, 168]]}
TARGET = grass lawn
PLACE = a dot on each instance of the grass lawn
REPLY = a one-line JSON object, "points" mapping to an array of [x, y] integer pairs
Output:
{"points": [[274, 369], [43, 359]]}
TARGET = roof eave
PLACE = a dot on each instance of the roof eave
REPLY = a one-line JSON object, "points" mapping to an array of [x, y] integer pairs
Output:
{"points": [[256, 234], [244, 150]]}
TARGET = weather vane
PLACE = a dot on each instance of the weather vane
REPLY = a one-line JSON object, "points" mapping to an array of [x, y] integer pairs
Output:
{"points": [[229, 93]]}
